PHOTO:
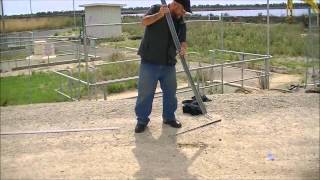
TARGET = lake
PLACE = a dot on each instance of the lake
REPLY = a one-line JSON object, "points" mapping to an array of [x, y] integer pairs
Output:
{"points": [[273, 12]]}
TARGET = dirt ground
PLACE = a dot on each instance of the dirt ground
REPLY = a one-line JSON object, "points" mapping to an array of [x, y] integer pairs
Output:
{"points": [[284, 80], [266, 135]]}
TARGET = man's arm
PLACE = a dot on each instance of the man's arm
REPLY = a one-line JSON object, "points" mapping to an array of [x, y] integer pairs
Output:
{"points": [[149, 19]]}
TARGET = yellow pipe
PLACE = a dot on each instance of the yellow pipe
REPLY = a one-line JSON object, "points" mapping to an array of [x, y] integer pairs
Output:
{"points": [[313, 4]]}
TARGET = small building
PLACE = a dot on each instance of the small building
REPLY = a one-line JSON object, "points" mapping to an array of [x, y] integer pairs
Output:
{"points": [[103, 13]]}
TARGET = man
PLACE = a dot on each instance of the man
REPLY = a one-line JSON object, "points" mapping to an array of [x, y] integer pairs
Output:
{"points": [[158, 59]]}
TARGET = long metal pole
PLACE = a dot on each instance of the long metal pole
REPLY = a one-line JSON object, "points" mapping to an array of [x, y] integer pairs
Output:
{"points": [[85, 49], [30, 71], [197, 79], [30, 7], [222, 31], [268, 46], [70, 86], [307, 49], [29, 62], [74, 16], [212, 75], [58, 131], [222, 78], [1, 4], [318, 58], [2, 17], [79, 66], [203, 80], [314, 40], [202, 126], [242, 70], [183, 60], [95, 80]]}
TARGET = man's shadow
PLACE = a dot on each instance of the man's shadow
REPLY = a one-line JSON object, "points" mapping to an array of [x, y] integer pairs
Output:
{"points": [[161, 158]]}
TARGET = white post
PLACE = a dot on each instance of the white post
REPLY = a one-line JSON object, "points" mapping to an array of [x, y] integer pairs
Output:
{"points": [[30, 7]]}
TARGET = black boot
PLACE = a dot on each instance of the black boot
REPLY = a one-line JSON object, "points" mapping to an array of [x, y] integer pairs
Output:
{"points": [[175, 123], [140, 128]]}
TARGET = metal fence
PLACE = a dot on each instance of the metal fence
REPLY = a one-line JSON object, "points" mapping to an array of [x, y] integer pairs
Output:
{"points": [[26, 46], [82, 52], [312, 72], [92, 85]]}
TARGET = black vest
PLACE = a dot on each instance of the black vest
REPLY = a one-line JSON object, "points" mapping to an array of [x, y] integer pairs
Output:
{"points": [[157, 46]]}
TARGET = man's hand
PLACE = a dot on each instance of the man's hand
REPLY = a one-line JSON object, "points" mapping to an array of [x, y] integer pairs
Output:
{"points": [[150, 19], [163, 10], [183, 50]]}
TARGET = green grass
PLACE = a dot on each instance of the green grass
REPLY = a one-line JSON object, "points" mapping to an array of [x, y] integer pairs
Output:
{"points": [[111, 71], [117, 71], [39, 88], [121, 87], [125, 43], [286, 41], [22, 89]]}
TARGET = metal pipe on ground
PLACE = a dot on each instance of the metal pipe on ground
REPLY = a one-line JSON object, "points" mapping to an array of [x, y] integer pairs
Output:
{"points": [[57, 131]]}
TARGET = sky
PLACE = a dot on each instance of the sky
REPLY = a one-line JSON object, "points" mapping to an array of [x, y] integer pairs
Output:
{"points": [[14, 7]]}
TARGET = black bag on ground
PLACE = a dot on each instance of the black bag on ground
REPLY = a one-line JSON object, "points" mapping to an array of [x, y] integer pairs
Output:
{"points": [[192, 107], [204, 98]]}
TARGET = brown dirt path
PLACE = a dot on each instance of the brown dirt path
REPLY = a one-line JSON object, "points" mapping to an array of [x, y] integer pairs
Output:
{"points": [[254, 125]]}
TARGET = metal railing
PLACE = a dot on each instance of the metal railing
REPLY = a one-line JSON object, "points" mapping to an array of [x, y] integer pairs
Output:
{"points": [[74, 83], [202, 67], [203, 85], [61, 55], [312, 72]]}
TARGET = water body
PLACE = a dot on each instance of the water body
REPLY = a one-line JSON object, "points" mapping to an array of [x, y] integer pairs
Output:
{"points": [[245, 13], [273, 12]]}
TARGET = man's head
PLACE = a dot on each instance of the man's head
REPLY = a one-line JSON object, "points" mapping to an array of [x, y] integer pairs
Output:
{"points": [[180, 7]]}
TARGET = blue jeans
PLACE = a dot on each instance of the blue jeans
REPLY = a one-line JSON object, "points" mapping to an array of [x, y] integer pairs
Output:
{"points": [[149, 76]]}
